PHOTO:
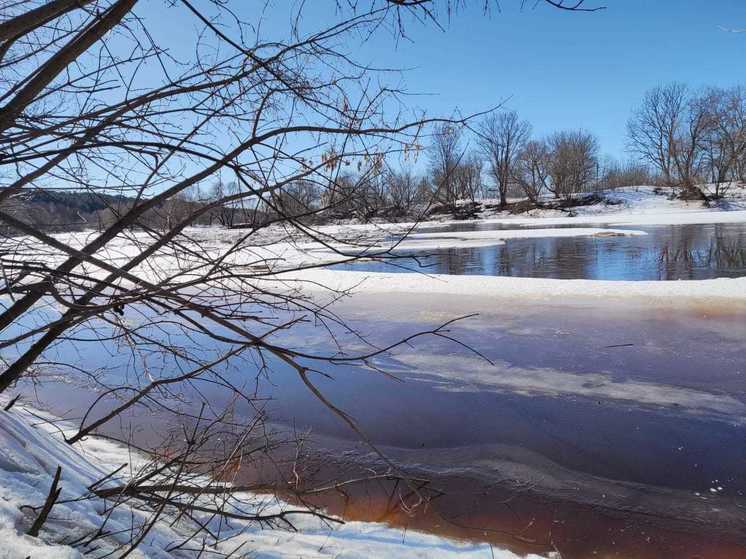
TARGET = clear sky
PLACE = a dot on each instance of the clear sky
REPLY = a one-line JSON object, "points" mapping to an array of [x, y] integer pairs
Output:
{"points": [[569, 70], [558, 69]]}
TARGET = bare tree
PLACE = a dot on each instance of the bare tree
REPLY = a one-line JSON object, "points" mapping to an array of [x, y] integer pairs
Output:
{"points": [[533, 169], [299, 199], [96, 99], [652, 129], [573, 162], [468, 178], [502, 137], [217, 193], [668, 131], [724, 142], [361, 195], [406, 191], [445, 157], [628, 173], [689, 142]]}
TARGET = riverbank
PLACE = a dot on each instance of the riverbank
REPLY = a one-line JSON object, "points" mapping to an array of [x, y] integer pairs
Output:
{"points": [[32, 450]]}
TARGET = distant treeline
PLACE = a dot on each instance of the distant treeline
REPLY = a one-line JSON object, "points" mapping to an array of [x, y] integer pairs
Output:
{"points": [[75, 210], [677, 137]]}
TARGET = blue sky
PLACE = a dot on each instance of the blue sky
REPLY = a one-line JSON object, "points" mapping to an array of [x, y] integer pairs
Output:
{"points": [[557, 69], [569, 70]]}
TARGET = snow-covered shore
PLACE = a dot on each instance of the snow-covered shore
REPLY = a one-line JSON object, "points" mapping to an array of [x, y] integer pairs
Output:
{"points": [[717, 291], [633, 205], [32, 450]]}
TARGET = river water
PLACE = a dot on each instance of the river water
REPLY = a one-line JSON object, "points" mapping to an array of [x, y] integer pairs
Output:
{"points": [[666, 252], [616, 417]]}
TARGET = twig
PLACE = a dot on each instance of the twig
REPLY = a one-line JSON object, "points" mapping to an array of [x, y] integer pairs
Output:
{"points": [[52, 497], [11, 403]]}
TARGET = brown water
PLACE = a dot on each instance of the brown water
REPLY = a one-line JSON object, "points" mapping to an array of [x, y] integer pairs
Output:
{"points": [[515, 517], [612, 430]]}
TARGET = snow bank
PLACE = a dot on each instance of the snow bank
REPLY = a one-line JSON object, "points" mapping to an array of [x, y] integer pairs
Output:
{"points": [[673, 217], [423, 241], [637, 205], [731, 289], [32, 450]]}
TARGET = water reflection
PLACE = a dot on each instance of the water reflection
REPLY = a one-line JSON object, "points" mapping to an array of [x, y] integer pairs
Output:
{"points": [[671, 252]]}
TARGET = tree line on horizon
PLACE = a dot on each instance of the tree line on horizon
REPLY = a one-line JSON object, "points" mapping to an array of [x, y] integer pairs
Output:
{"points": [[677, 137]]}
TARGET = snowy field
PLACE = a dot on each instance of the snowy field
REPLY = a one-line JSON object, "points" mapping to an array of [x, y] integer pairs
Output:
{"points": [[32, 449]]}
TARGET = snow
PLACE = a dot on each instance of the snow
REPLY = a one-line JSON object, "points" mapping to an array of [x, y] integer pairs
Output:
{"points": [[32, 450], [638, 205], [715, 290], [675, 216], [424, 241]]}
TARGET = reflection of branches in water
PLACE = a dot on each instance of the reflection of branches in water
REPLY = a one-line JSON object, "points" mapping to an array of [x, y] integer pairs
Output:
{"points": [[677, 252], [723, 254]]}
